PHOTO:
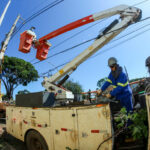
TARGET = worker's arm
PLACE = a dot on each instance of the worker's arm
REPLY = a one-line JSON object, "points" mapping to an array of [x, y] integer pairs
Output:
{"points": [[107, 83], [121, 85]]}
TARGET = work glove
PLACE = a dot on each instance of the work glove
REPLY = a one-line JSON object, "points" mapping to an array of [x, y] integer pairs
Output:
{"points": [[99, 92], [108, 95]]}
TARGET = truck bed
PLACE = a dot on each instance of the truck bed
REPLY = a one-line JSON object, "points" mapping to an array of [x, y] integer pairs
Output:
{"points": [[78, 127]]}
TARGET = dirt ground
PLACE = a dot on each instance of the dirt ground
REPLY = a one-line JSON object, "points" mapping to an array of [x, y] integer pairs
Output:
{"points": [[7, 142]]}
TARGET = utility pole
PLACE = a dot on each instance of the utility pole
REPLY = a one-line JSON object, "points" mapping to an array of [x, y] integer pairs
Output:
{"points": [[3, 14], [3, 49]]}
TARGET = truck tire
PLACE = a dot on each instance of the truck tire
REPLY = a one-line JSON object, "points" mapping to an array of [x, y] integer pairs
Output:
{"points": [[35, 141]]}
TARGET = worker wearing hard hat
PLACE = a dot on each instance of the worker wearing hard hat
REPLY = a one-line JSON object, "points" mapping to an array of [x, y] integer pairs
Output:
{"points": [[121, 90]]}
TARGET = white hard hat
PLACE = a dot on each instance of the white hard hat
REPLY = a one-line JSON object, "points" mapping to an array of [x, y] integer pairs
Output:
{"points": [[112, 61]]}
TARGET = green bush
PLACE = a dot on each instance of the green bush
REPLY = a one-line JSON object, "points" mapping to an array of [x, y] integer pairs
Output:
{"points": [[139, 123]]}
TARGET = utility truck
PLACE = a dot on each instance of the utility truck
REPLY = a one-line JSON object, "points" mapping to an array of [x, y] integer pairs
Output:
{"points": [[45, 120]]}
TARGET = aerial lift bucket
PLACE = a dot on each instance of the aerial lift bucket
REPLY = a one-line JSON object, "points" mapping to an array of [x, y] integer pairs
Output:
{"points": [[26, 40], [42, 50]]}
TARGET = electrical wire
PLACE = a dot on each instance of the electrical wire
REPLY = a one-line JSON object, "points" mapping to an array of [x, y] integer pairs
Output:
{"points": [[62, 42], [140, 3], [37, 14], [68, 49], [45, 9], [122, 42], [95, 38], [48, 7], [50, 70], [37, 6], [118, 44], [79, 33], [129, 33], [56, 2]]}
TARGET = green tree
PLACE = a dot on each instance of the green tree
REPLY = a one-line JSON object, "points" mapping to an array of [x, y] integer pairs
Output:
{"points": [[75, 87], [17, 72], [139, 126], [5, 97], [101, 82]]}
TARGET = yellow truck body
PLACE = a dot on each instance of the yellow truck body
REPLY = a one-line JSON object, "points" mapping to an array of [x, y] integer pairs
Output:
{"points": [[66, 128], [81, 128]]}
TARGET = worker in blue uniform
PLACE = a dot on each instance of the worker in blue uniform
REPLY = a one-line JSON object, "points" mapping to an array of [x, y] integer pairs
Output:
{"points": [[121, 89]]}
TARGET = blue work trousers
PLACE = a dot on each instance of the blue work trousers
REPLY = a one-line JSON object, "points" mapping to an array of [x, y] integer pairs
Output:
{"points": [[126, 102]]}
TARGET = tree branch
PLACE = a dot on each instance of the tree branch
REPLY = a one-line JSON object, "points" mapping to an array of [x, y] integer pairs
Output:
{"points": [[5, 85]]}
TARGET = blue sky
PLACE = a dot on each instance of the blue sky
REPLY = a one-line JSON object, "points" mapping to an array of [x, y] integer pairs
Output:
{"points": [[131, 54]]}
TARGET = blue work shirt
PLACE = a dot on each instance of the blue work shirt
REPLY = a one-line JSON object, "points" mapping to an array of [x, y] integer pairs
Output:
{"points": [[121, 91]]}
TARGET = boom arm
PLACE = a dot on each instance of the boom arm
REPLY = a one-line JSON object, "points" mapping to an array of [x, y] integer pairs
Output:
{"points": [[127, 14], [122, 10]]}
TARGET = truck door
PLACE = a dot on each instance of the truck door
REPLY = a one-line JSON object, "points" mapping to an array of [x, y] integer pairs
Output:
{"points": [[14, 121], [63, 128], [94, 126]]}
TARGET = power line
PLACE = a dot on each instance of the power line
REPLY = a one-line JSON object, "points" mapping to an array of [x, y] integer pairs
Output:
{"points": [[129, 33], [87, 41], [118, 44], [79, 33], [37, 14], [122, 42], [56, 2], [140, 3], [55, 46], [68, 49], [112, 41], [37, 6], [103, 50], [55, 68]]}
